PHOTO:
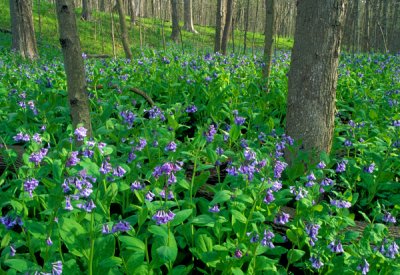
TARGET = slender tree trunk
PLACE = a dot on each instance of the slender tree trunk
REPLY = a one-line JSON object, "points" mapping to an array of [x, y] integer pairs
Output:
{"points": [[86, 10], [366, 42], [73, 63], [246, 25], [113, 33], [102, 5], [175, 20], [313, 74], [218, 26], [124, 30], [188, 16], [227, 28], [23, 34], [269, 37], [132, 12]]}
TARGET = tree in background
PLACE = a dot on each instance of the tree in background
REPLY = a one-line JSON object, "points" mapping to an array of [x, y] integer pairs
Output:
{"points": [[269, 37], [124, 30], [219, 25], [86, 10], [188, 16], [313, 73], [228, 24], [23, 34], [175, 20], [73, 63]]}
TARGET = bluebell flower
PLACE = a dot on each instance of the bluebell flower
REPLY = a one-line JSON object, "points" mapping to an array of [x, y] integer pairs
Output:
{"points": [[321, 165], [341, 203], [316, 262], [278, 169], [150, 196], [312, 232], [136, 185], [341, 166], [336, 247], [370, 168], [12, 250], [119, 172], [68, 205], [73, 159], [219, 151], [281, 218], [214, 209], [388, 218], [170, 147], [105, 167], [363, 267], [269, 197], [121, 226], [49, 242], [238, 254], [392, 250], [239, 120], [88, 206], [210, 133], [162, 217], [36, 137], [57, 268], [80, 133], [191, 109], [267, 239], [30, 185], [105, 229]]}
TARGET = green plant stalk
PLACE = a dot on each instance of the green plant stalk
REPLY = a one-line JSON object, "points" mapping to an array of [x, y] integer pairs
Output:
{"points": [[91, 255]]}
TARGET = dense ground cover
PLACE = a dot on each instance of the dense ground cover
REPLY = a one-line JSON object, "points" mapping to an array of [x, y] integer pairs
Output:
{"points": [[198, 182]]}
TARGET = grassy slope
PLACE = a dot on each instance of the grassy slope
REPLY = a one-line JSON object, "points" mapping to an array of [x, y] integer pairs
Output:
{"points": [[96, 35]]}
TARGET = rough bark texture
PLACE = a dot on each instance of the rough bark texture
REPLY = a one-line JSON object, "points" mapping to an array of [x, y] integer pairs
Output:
{"points": [[269, 36], [132, 11], [23, 34], [227, 28], [175, 20], [218, 26], [313, 73], [188, 16], [124, 30], [86, 10], [73, 63]]}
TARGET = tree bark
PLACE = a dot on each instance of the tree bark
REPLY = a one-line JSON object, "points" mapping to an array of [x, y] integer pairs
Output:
{"points": [[86, 10], [218, 25], [102, 5], [124, 30], [73, 63], [188, 16], [175, 20], [269, 37], [246, 25], [313, 74], [227, 28], [23, 34], [132, 11]]}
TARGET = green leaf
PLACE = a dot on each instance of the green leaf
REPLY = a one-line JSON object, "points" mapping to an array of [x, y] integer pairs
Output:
{"points": [[221, 196], [166, 253], [204, 243], [159, 231], [90, 167], [57, 171], [184, 184], [132, 243], [19, 264], [294, 255], [104, 248], [181, 216], [203, 220], [264, 263], [238, 216], [73, 235]]}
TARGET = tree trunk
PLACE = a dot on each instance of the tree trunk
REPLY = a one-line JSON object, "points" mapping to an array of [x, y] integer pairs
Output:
{"points": [[124, 30], [218, 25], [132, 11], [227, 28], [313, 74], [102, 5], [175, 20], [188, 16], [269, 37], [23, 34], [86, 10], [73, 63], [246, 25]]}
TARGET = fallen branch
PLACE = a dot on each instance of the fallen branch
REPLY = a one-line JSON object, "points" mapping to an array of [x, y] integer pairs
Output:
{"points": [[134, 90]]}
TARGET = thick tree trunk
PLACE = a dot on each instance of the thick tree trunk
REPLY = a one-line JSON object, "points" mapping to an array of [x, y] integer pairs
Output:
{"points": [[175, 20], [73, 63], [23, 34], [269, 37], [86, 10], [188, 16], [227, 28], [218, 25], [124, 30], [313, 73]]}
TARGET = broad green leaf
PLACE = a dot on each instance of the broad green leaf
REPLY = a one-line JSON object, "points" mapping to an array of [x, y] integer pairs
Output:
{"points": [[238, 216], [132, 243], [181, 216], [203, 220], [221, 196], [294, 255]]}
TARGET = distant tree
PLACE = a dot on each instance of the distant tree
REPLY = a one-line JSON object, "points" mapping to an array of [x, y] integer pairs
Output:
{"points": [[313, 73], [23, 34], [188, 16], [227, 27], [269, 37], [124, 30], [175, 20], [73, 63], [219, 25], [132, 10], [86, 10], [102, 5], [246, 25]]}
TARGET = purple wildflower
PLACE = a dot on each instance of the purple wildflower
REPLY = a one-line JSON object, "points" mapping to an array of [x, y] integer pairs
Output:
{"points": [[266, 240], [80, 133], [87, 206], [341, 203], [136, 185], [243, 143], [336, 247], [232, 171], [105, 167], [298, 192], [210, 133], [12, 250], [312, 232], [370, 168], [269, 197], [238, 254], [30, 185], [321, 165], [36, 138], [278, 169], [150, 196], [341, 166], [170, 147], [219, 151], [105, 229], [37, 157], [49, 242], [129, 118], [388, 218], [316, 262], [393, 250], [276, 185], [327, 182], [119, 172], [121, 226], [68, 205], [162, 217], [170, 195], [282, 218], [21, 137], [249, 154], [214, 209], [363, 267], [348, 143], [191, 109], [396, 123], [57, 268], [141, 145], [239, 120], [73, 159]]}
